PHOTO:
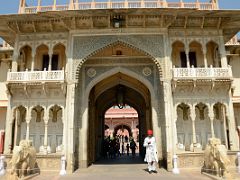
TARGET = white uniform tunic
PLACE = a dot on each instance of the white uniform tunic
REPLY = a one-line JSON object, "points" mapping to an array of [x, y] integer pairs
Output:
{"points": [[151, 150]]}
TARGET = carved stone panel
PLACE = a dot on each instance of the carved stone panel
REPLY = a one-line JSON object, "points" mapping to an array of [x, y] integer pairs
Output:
{"points": [[85, 47]]}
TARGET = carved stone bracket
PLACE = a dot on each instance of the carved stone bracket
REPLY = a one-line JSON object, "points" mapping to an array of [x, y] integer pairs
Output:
{"points": [[45, 89], [26, 90], [64, 88], [211, 85]]}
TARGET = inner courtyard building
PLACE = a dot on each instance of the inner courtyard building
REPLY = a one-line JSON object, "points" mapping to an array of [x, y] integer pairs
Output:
{"points": [[73, 74]]}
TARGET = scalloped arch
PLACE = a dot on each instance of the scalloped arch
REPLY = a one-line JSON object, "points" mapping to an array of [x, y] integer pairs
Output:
{"points": [[25, 45], [119, 42]]}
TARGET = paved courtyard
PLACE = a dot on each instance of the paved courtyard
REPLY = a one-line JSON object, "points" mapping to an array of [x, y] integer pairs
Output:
{"points": [[123, 168]]}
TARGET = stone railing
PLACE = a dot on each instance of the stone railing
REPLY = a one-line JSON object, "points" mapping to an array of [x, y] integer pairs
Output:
{"points": [[202, 73], [5, 46], [35, 76], [116, 4], [233, 41]]}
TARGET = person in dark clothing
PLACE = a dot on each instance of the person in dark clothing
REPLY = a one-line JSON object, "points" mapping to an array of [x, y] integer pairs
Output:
{"points": [[127, 147], [133, 147]]}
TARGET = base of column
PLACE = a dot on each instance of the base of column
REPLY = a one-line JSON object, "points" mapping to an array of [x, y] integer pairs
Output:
{"points": [[196, 147], [169, 162], [83, 164]]}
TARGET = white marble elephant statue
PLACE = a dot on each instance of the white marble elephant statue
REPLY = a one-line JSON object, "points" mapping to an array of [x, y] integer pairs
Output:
{"points": [[24, 159], [216, 160]]}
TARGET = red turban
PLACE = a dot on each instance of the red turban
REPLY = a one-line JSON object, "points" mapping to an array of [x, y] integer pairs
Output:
{"points": [[150, 132]]}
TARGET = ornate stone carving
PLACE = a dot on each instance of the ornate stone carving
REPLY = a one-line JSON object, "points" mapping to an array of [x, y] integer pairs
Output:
{"points": [[91, 72], [84, 47], [147, 71]]}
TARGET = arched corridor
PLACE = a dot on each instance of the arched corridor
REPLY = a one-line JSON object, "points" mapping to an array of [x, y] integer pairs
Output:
{"points": [[100, 103]]}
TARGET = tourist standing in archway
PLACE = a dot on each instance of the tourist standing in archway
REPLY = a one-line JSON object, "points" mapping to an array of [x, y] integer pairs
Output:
{"points": [[151, 152], [133, 147]]}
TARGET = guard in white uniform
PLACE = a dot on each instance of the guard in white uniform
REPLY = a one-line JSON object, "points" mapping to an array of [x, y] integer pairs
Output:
{"points": [[151, 152]]}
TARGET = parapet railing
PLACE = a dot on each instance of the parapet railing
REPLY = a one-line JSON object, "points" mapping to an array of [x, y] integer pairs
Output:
{"points": [[202, 73], [35, 76], [117, 4], [233, 41]]}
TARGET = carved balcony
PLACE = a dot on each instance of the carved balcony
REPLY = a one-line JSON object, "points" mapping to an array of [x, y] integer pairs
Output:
{"points": [[116, 4], [202, 73], [35, 76], [204, 78], [36, 84]]}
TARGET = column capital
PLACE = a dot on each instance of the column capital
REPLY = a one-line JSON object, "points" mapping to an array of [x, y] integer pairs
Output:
{"points": [[33, 52], [28, 119], [187, 50], [204, 49], [211, 117], [45, 119]]}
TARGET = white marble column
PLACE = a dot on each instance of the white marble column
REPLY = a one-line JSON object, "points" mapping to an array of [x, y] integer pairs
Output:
{"points": [[14, 63], [204, 50], [45, 142], [224, 125], [22, 5], [175, 136], [64, 130], [233, 136], [50, 61], [8, 128], [15, 55], [28, 119], [187, 56], [215, 4], [33, 60], [71, 5], [193, 118], [223, 53], [17, 120], [70, 125], [54, 4], [211, 118]]}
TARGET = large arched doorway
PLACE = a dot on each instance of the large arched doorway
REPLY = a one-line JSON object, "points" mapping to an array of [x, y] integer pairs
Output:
{"points": [[100, 78], [101, 99]]}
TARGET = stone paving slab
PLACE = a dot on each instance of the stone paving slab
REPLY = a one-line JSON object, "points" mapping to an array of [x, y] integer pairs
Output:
{"points": [[123, 168], [124, 172]]}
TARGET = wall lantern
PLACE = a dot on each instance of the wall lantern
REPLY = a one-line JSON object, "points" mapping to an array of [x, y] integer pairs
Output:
{"points": [[120, 96]]}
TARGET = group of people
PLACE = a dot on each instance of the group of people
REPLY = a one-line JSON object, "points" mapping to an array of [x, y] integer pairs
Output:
{"points": [[111, 149]]}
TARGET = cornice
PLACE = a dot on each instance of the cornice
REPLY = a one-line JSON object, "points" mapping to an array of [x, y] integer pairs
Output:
{"points": [[103, 19]]}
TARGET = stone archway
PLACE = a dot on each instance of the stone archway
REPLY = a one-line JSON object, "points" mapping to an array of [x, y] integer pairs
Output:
{"points": [[100, 100], [122, 126], [98, 79]]}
